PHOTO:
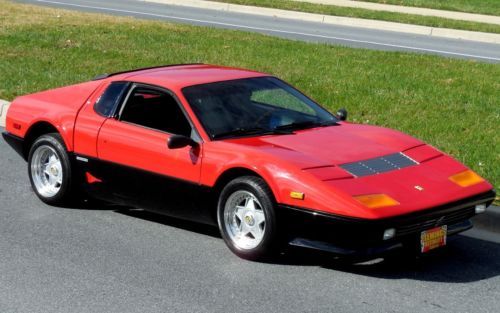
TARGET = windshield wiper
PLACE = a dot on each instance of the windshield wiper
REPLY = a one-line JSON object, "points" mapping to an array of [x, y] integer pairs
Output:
{"points": [[250, 131], [306, 124]]}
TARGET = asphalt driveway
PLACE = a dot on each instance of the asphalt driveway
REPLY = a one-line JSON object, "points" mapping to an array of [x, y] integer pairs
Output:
{"points": [[99, 258]]}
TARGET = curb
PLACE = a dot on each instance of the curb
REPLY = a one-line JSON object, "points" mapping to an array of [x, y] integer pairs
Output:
{"points": [[338, 20], [454, 15], [4, 107], [490, 220]]}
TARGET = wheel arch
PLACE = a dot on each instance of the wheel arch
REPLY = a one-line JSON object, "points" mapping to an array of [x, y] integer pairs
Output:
{"points": [[235, 172], [34, 131]]}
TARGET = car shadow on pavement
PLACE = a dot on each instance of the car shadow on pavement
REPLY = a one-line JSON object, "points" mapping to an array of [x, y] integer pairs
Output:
{"points": [[464, 259], [98, 205], [203, 229]]}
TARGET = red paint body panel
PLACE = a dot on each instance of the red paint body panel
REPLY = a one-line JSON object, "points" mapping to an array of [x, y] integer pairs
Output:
{"points": [[307, 161], [178, 77], [336, 144], [88, 125], [58, 107], [432, 176], [326, 173], [138, 147], [423, 153]]}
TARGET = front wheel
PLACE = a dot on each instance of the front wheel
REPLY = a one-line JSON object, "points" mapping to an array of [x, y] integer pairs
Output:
{"points": [[49, 169], [246, 218]]}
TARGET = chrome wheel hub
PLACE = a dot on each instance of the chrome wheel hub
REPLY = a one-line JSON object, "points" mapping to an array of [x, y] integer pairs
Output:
{"points": [[244, 220], [46, 171], [249, 219]]}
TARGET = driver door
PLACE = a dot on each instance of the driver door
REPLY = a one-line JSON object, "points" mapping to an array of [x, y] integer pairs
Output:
{"points": [[137, 164]]}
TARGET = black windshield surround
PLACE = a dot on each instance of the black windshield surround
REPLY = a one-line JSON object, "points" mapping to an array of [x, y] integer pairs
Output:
{"points": [[254, 107]]}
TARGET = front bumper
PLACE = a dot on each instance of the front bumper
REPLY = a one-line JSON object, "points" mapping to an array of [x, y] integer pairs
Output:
{"points": [[362, 237]]}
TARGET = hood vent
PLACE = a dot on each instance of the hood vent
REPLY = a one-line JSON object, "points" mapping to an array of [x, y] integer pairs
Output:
{"points": [[379, 165]]}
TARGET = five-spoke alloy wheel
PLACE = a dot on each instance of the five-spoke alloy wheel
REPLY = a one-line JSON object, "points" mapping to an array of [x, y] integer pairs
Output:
{"points": [[49, 169], [244, 219], [46, 170], [247, 219]]}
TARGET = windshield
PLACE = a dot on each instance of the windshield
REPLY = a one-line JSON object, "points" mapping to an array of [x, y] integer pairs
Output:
{"points": [[253, 106]]}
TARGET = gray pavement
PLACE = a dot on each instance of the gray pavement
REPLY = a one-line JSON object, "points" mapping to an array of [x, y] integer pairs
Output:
{"points": [[286, 28], [489, 221], [100, 258]]}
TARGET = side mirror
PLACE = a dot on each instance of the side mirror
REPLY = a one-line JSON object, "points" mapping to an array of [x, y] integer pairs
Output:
{"points": [[342, 114], [180, 141]]}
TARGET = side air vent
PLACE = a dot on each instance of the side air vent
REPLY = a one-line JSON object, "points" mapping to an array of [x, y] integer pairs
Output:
{"points": [[379, 165]]}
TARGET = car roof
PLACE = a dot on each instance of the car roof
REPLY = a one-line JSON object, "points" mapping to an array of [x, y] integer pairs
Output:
{"points": [[180, 76]]}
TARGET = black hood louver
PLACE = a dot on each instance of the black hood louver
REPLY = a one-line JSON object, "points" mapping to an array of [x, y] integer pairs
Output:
{"points": [[379, 165]]}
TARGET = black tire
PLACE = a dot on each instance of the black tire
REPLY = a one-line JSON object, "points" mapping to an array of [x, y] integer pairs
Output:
{"points": [[63, 197], [269, 244]]}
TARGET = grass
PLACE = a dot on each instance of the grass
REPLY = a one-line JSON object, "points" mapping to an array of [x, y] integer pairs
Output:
{"points": [[369, 14], [452, 104], [490, 7]]}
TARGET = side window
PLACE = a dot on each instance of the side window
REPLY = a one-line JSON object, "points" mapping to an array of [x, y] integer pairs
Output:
{"points": [[107, 102], [281, 99], [155, 109]]}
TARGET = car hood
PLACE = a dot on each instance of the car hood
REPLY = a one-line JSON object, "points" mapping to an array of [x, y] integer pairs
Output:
{"points": [[324, 152], [332, 145]]}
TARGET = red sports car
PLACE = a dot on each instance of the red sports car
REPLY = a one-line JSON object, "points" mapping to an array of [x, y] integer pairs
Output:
{"points": [[247, 152]]}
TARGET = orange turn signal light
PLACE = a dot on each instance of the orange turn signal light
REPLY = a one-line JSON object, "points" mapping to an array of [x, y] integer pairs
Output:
{"points": [[297, 195], [466, 178], [375, 201]]}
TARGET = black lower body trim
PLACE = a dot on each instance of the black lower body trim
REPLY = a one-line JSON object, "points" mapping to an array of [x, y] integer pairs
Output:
{"points": [[146, 190], [17, 143], [355, 236], [345, 251], [379, 249]]}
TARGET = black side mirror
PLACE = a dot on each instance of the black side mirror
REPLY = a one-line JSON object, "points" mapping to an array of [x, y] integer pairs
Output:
{"points": [[342, 114], [180, 141]]}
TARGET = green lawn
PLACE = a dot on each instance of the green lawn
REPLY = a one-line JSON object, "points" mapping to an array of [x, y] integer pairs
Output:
{"points": [[369, 14], [490, 7], [452, 104]]}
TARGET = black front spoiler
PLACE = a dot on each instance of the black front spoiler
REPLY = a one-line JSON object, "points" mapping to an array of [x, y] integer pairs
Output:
{"points": [[361, 237], [378, 250]]}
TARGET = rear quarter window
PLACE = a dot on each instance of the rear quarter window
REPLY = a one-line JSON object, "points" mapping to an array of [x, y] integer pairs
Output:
{"points": [[108, 101]]}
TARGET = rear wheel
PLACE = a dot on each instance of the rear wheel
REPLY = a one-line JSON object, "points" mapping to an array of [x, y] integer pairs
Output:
{"points": [[49, 169], [246, 218]]}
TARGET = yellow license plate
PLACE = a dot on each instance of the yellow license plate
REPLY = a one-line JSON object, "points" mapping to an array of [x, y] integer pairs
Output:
{"points": [[433, 238]]}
